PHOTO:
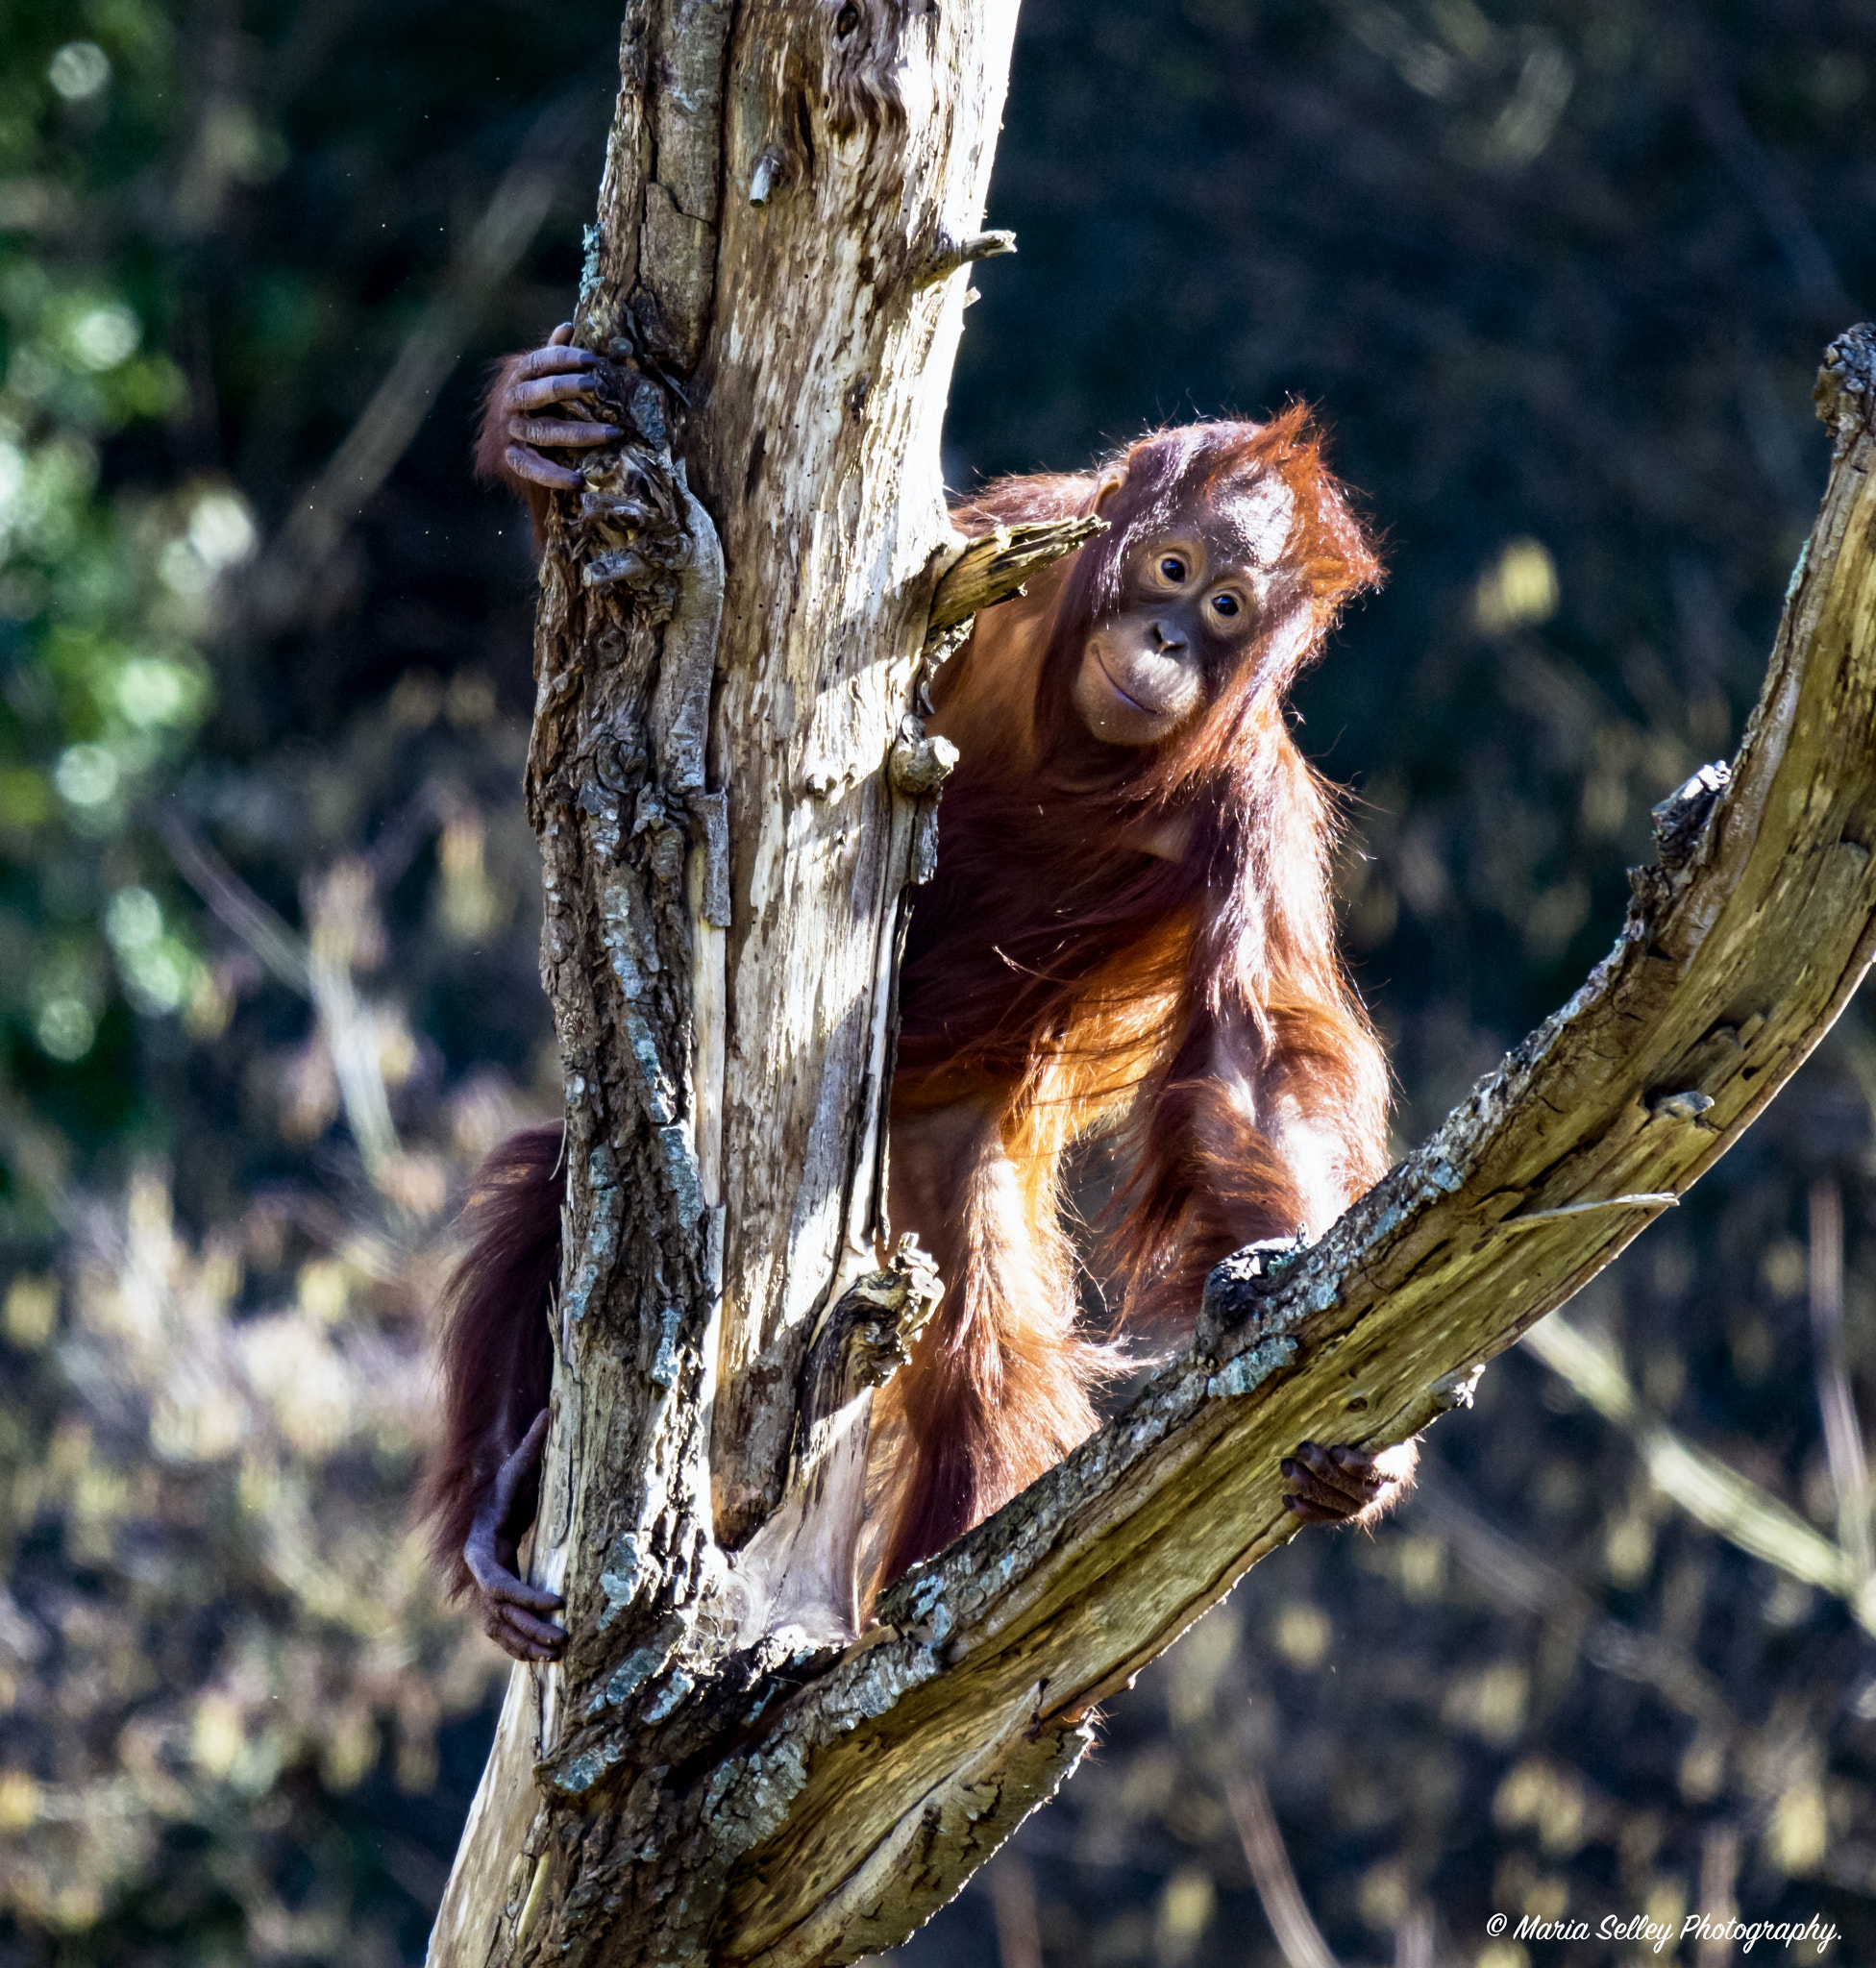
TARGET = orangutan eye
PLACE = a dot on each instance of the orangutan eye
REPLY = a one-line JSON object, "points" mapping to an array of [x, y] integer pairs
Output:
{"points": [[1224, 605], [1173, 569]]}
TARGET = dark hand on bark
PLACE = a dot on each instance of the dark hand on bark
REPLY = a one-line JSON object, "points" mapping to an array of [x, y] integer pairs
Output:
{"points": [[510, 1607], [556, 374], [1335, 1485]]}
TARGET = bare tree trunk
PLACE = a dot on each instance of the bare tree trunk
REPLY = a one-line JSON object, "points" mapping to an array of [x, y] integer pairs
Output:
{"points": [[728, 642], [732, 794]]}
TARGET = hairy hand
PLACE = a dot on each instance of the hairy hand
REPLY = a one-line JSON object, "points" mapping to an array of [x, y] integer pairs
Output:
{"points": [[1341, 1485], [558, 374], [511, 1608]]}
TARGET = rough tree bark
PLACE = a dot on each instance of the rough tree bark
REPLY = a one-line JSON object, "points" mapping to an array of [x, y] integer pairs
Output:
{"points": [[732, 793]]}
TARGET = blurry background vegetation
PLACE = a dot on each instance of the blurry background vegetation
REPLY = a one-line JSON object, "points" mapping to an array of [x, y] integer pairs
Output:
{"points": [[1558, 275]]}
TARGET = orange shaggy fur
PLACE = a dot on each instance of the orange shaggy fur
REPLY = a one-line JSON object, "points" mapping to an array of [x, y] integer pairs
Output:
{"points": [[1127, 947], [1067, 977]]}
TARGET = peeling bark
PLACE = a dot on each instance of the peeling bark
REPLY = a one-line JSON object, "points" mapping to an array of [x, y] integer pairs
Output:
{"points": [[732, 791], [798, 1577]]}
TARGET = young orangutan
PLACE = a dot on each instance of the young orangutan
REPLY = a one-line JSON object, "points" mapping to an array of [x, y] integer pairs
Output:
{"points": [[1129, 940]]}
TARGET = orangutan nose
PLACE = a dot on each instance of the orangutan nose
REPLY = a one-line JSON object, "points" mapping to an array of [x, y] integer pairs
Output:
{"points": [[1168, 639]]}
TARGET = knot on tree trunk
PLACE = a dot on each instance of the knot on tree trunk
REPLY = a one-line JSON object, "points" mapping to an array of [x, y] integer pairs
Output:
{"points": [[1238, 1286], [864, 1337], [1681, 819], [1846, 390]]}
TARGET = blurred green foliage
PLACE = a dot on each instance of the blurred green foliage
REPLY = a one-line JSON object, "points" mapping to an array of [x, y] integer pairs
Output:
{"points": [[266, 946], [1557, 275]]}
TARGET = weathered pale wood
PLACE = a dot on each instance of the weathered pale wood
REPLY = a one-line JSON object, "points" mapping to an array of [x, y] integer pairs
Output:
{"points": [[799, 1577], [824, 384], [993, 568], [731, 790]]}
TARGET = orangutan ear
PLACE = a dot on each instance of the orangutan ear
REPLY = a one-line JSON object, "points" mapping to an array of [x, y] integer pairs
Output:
{"points": [[1290, 641], [1111, 482]]}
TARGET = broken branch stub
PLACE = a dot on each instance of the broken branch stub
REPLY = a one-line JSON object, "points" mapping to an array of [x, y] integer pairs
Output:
{"points": [[993, 568], [1738, 954], [952, 254]]}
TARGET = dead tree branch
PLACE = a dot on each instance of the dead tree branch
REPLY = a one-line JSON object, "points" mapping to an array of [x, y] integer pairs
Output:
{"points": [[991, 569], [1739, 950], [1299, 1938], [1710, 1492]]}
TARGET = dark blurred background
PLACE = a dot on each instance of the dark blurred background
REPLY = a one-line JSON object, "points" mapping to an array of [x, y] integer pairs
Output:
{"points": [[1558, 276]]}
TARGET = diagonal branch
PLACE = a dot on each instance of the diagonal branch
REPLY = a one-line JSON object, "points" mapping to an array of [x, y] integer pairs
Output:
{"points": [[1836, 1404], [1299, 1938], [969, 1702], [281, 949], [319, 967], [1710, 1492]]}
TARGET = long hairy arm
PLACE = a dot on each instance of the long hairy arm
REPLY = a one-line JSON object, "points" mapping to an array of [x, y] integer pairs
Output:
{"points": [[495, 1351], [1269, 1114]]}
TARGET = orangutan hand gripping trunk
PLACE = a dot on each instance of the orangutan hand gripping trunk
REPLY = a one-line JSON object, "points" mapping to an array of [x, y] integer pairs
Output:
{"points": [[1127, 948]]}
